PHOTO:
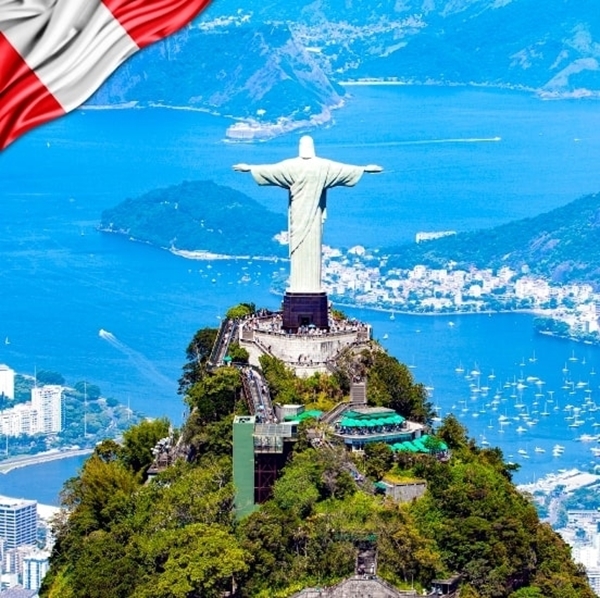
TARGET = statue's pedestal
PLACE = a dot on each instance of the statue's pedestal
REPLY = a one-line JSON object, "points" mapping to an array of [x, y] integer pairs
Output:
{"points": [[305, 309]]}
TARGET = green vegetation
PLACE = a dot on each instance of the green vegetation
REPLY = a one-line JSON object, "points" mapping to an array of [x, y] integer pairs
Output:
{"points": [[319, 391], [197, 354], [198, 216], [240, 311], [559, 245], [176, 536]]}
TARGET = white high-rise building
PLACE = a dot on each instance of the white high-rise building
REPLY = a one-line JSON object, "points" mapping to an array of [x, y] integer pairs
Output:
{"points": [[47, 401], [35, 566], [7, 381]]}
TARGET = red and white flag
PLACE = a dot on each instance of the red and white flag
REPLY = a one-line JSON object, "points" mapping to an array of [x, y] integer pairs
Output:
{"points": [[54, 54]]}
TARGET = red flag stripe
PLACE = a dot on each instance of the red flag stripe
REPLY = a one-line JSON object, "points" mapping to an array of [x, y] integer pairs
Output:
{"points": [[147, 22], [55, 54], [25, 102]]}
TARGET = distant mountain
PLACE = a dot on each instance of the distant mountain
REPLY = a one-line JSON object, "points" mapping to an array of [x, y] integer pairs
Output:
{"points": [[246, 71], [562, 245], [198, 216], [267, 60]]}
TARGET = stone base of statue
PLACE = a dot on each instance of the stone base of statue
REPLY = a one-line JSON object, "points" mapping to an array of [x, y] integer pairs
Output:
{"points": [[305, 310]]}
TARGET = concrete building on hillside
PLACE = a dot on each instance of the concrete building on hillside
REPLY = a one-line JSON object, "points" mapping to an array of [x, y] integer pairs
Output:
{"points": [[7, 381], [47, 402]]}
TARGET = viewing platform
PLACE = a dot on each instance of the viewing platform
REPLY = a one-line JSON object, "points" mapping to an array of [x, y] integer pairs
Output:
{"points": [[361, 426], [308, 349]]}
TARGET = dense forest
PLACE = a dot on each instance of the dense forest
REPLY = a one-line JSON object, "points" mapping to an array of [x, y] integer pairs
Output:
{"points": [[198, 216], [560, 245], [177, 536]]}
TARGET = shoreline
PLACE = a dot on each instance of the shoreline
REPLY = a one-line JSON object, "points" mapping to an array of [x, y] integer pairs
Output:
{"points": [[21, 461], [194, 254]]}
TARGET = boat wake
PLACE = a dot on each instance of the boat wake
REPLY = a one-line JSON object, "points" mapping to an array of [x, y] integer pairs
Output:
{"points": [[138, 360], [451, 140]]}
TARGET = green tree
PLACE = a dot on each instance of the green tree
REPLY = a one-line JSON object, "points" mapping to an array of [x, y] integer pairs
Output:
{"points": [[197, 354], [240, 311], [198, 560], [391, 385], [379, 459], [49, 377], [237, 353], [452, 432], [139, 441], [215, 396], [92, 391]]}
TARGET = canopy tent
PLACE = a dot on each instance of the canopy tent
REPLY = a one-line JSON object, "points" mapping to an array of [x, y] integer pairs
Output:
{"points": [[315, 413]]}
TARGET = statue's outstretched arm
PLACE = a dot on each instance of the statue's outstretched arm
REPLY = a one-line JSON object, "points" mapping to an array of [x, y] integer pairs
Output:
{"points": [[242, 167], [373, 168]]}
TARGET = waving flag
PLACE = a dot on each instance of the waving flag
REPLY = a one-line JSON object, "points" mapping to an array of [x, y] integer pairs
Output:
{"points": [[55, 53]]}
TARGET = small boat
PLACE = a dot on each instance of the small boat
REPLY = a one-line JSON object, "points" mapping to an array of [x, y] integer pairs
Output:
{"points": [[521, 429], [459, 369], [587, 438], [539, 449], [6, 341]]}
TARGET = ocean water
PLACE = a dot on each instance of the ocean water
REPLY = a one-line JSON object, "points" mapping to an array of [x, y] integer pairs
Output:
{"points": [[454, 159]]}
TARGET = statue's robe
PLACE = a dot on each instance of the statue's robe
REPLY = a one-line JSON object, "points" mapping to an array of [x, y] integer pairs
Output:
{"points": [[307, 180]]}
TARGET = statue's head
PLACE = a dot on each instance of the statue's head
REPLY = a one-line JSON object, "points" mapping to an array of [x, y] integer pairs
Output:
{"points": [[306, 147]]}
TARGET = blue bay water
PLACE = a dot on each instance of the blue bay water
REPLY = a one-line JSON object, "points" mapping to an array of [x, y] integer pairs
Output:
{"points": [[62, 281]]}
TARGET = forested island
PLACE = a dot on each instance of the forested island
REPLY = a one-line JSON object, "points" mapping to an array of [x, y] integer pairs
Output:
{"points": [[176, 534], [201, 217]]}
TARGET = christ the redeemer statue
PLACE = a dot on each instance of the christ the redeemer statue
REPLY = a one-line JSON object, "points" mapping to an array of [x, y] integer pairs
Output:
{"points": [[307, 179]]}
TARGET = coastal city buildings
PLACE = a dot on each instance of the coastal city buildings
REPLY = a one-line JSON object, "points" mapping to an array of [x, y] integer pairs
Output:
{"points": [[582, 533], [364, 278], [42, 415], [580, 528], [23, 563]]}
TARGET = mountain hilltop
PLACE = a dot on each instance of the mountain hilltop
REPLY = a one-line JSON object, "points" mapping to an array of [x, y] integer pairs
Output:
{"points": [[562, 245], [125, 534], [234, 69]]}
